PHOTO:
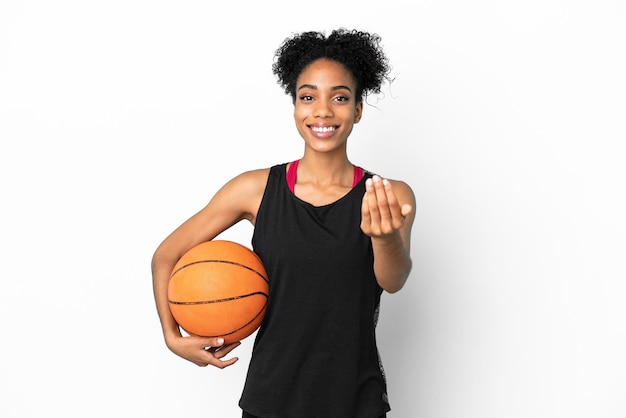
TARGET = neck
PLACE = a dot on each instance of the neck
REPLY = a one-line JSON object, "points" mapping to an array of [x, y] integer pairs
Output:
{"points": [[325, 169]]}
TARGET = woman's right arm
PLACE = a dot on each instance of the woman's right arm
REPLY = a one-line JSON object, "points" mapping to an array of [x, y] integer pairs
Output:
{"points": [[237, 200]]}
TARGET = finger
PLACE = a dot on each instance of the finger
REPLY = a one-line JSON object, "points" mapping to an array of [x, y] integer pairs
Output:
{"points": [[370, 216], [366, 218], [217, 362], [215, 355], [213, 342], [224, 363], [223, 351], [372, 198], [396, 217], [406, 210], [383, 203]]}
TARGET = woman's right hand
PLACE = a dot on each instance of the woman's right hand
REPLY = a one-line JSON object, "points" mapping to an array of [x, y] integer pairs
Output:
{"points": [[203, 351]]}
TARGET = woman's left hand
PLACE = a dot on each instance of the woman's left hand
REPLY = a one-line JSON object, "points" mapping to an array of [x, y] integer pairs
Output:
{"points": [[381, 212]]}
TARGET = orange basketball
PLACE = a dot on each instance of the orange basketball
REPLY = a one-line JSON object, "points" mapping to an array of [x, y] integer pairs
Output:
{"points": [[219, 289]]}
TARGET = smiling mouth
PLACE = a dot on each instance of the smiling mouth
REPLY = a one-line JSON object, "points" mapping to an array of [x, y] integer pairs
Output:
{"points": [[323, 129]]}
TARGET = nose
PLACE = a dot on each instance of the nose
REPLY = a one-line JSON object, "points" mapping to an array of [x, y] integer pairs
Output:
{"points": [[323, 109]]}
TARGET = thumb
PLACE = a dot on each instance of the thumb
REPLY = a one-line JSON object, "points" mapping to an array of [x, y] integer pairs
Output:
{"points": [[406, 210], [215, 342]]}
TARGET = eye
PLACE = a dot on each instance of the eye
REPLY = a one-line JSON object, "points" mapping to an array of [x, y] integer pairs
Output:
{"points": [[342, 99], [306, 98]]}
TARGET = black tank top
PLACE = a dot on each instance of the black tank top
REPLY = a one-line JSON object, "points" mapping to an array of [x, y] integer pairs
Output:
{"points": [[315, 355]]}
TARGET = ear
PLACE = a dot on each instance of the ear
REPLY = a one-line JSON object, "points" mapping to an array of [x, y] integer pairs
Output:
{"points": [[358, 111]]}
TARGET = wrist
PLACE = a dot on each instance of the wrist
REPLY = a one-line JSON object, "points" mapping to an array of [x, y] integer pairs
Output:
{"points": [[391, 242]]}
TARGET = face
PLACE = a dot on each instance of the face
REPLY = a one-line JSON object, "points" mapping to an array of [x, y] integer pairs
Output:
{"points": [[325, 107]]}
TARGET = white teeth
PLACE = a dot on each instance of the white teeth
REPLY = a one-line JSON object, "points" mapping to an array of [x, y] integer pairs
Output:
{"points": [[323, 129]]}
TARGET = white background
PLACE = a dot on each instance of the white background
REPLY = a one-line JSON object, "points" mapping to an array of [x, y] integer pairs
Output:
{"points": [[120, 119]]}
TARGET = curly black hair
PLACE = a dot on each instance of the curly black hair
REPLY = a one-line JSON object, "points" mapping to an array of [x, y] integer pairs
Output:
{"points": [[360, 52]]}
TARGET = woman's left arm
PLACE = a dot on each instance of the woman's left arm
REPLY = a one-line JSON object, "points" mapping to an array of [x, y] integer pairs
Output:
{"points": [[387, 215]]}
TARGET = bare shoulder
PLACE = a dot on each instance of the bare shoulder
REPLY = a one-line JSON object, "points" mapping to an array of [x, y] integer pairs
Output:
{"points": [[255, 178], [248, 179], [249, 184], [244, 192], [403, 192]]}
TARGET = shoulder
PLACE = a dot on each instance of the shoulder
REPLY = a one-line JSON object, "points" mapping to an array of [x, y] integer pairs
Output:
{"points": [[242, 194], [247, 184], [252, 177], [402, 189], [404, 192]]}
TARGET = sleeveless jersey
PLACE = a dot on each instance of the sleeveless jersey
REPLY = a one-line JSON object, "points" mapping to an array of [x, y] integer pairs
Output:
{"points": [[315, 354]]}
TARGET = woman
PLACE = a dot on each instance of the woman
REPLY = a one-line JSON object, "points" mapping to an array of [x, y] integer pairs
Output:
{"points": [[331, 235]]}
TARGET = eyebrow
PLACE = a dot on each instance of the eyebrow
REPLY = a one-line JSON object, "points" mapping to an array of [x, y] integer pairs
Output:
{"points": [[314, 87]]}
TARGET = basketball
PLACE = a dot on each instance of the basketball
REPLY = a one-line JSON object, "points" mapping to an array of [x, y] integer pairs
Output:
{"points": [[219, 289]]}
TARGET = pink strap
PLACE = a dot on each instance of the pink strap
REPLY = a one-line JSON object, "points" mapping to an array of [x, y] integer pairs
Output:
{"points": [[293, 170], [291, 175], [358, 175]]}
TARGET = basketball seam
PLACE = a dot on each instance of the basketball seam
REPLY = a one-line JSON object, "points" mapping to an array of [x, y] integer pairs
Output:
{"points": [[249, 322], [220, 261], [240, 328], [206, 302]]}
